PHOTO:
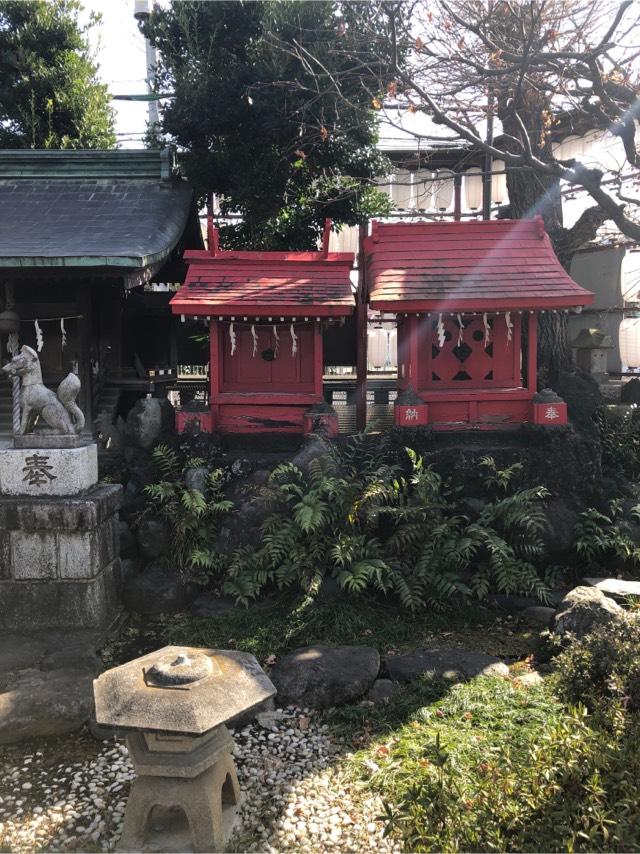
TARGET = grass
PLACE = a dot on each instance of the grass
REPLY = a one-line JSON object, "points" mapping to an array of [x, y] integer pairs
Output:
{"points": [[491, 765], [287, 621]]}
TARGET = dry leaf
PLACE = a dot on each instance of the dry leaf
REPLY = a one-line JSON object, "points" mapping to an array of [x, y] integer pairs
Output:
{"points": [[303, 722], [270, 659]]}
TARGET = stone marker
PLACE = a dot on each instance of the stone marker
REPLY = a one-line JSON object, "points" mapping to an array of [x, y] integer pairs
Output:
{"points": [[176, 702], [584, 608]]}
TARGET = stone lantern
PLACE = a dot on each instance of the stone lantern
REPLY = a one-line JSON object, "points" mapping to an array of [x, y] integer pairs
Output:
{"points": [[175, 703], [591, 347]]}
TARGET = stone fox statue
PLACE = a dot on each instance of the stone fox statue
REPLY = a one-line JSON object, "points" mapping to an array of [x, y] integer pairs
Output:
{"points": [[60, 411]]}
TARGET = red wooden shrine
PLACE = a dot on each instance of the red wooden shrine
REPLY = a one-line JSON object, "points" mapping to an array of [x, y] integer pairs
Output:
{"points": [[265, 312], [467, 296]]}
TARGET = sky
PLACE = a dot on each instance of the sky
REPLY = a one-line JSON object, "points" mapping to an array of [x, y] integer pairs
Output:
{"points": [[121, 55]]}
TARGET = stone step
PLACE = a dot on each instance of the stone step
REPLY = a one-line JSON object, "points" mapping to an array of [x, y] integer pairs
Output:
{"points": [[616, 588]]}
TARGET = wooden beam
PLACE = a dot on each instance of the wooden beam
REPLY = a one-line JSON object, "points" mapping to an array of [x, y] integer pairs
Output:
{"points": [[532, 353], [361, 335]]}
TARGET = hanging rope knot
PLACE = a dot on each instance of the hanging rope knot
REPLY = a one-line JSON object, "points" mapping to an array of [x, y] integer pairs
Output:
{"points": [[255, 339], [232, 338], [294, 341]]}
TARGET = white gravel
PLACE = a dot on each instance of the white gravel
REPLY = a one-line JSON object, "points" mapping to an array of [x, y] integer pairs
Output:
{"points": [[295, 796]]}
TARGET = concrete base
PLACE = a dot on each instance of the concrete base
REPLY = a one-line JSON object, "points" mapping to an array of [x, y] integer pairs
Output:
{"points": [[48, 471], [59, 561]]}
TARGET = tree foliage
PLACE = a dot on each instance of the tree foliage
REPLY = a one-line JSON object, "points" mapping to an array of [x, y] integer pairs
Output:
{"points": [[282, 154], [50, 96]]}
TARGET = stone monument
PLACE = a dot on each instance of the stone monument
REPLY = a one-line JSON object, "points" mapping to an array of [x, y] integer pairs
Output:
{"points": [[175, 703], [59, 545]]}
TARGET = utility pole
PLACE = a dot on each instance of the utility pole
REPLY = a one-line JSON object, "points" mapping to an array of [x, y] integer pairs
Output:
{"points": [[141, 12]]}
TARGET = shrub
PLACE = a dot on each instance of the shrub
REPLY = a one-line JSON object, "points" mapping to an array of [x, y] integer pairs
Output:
{"points": [[602, 669], [371, 526], [192, 515], [600, 537]]}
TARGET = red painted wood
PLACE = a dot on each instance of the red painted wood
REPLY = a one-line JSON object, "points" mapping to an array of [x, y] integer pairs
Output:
{"points": [[244, 372], [261, 419], [254, 398], [497, 264], [194, 422], [532, 358], [362, 339], [318, 365], [412, 415], [214, 359]]}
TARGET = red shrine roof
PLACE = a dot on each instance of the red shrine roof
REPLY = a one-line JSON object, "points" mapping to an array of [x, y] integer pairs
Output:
{"points": [[260, 284], [479, 265]]}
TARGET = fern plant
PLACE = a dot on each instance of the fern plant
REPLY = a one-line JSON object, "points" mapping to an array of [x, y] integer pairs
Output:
{"points": [[193, 515], [370, 526], [599, 536]]}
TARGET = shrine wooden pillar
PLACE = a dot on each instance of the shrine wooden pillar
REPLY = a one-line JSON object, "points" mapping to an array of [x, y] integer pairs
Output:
{"points": [[361, 335], [214, 369], [532, 352]]}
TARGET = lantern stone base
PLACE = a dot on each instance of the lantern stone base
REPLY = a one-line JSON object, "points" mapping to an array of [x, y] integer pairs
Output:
{"points": [[181, 776], [59, 561], [40, 471]]}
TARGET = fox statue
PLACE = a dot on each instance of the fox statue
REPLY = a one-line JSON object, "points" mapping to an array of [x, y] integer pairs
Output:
{"points": [[60, 411]]}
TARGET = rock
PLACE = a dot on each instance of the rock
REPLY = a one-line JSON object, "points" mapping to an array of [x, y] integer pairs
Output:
{"points": [[531, 677], [157, 590], [210, 605], [37, 704], [582, 395], [445, 663], [312, 448], [71, 656], [584, 608], [147, 421], [539, 614], [241, 468], [510, 602], [153, 538], [382, 690], [128, 545], [128, 568], [196, 478], [321, 676], [559, 532], [267, 707], [617, 588], [630, 392]]}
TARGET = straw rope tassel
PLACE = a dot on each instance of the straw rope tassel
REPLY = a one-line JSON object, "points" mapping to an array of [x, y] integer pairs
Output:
{"points": [[487, 330], [232, 338], [39, 336], [294, 341], [507, 320], [255, 340], [276, 338], [460, 328], [63, 333], [440, 332]]}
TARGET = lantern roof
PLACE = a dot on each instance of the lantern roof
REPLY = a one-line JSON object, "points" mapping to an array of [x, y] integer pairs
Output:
{"points": [[483, 265], [259, 284]]}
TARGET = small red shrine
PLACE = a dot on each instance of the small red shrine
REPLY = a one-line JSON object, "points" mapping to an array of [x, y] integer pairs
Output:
{"points": [[266, 311], [467, 296]]}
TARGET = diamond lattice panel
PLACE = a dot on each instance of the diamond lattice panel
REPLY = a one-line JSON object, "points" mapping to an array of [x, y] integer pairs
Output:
{"points": [[466, 360]]}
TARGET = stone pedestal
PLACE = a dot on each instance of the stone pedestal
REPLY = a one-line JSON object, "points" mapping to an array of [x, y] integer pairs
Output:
{"points": [[195, 775], [41, 470], [59, 555]]}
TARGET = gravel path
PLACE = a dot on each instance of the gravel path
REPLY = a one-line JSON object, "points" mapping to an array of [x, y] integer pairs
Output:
{"points": [[295, 796]]}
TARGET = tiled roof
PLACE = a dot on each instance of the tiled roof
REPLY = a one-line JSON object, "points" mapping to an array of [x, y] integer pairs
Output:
{"points": [[266, 283], [118, 209], [479, 265]]}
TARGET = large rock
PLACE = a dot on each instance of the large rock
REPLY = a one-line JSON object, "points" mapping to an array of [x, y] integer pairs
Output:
{"points": [[157, 591], [148, 420], [46, 683], [444, 663], [321, 676], [584, 608], [128, 545], [617, 588], [153, 538], [582, 395], [37, 704], [196, 478]]}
